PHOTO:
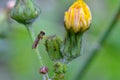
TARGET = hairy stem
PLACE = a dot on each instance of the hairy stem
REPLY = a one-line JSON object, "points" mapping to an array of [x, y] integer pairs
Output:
{"points": [[96, 48], [32, 34]]}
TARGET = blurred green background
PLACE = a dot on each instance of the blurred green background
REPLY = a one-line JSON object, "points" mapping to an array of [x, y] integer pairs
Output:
{"points": [[19, 62]]}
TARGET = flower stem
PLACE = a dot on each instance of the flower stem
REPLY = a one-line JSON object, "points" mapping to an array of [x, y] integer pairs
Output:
{"points": [[32, 34], [96, 48]]}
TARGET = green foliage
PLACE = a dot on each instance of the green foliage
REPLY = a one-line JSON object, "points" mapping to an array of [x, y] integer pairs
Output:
{"points": [[23, 63]]}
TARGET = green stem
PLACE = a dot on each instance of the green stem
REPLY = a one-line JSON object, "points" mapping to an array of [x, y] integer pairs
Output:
{"points": [[32, 34], [96, 48], [45, 77]]}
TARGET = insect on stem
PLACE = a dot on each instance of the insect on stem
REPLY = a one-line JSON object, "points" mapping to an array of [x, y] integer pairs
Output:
{"points": [[39, 37]]}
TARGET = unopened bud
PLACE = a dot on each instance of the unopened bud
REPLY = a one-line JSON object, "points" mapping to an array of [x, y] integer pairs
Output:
{"points": [[78, 17], [53, 45], [44, 70], [25, 11], [60, 68]]}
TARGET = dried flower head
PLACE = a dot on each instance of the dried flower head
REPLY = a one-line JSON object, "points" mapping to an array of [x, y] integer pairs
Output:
{"points": [[78, 17]]}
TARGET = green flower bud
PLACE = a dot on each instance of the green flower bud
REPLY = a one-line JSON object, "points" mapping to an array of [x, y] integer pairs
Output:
{"points": [[53, 48], [59, 67], [25, 11], [59, 70]]}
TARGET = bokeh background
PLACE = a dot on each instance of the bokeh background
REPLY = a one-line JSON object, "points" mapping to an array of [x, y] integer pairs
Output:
{"points": [[19, 62]]}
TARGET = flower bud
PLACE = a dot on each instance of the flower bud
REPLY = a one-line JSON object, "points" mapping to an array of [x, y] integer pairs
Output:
{"points": [[25, 11], [59, 70], [44, 70], [53, 45], [78, 17], [77, 20]]}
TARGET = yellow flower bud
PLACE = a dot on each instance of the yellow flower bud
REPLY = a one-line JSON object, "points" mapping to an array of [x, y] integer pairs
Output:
{"points": [[78, 17]]}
